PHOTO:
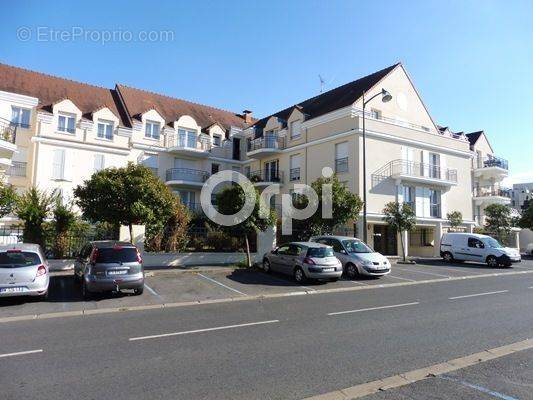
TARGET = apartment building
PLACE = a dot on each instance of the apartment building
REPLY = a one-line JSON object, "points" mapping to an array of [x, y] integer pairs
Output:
{"points": [[521, 195], [488, 171], [66, 130]]}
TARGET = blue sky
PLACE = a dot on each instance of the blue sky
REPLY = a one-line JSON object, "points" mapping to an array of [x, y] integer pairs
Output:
{"points": [[472, 61]]}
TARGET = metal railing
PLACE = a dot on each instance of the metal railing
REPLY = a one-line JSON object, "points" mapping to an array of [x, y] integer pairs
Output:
{"points": [[266, 176], [341, 165], [379, 117], [267, 142], [186, 174], [8, 131], [295, 174], [491, 191], [492, 162], [416, 169], [189, 142], [195, 208], [17, 168]]}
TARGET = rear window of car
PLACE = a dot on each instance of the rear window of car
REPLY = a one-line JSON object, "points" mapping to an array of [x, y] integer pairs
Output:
{"points": [[19, 259], [116, 254], [320, 252]]}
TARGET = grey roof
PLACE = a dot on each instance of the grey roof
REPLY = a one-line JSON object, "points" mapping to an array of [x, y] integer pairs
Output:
{"points": [[474, 136], [110, 243], [20, 246]]}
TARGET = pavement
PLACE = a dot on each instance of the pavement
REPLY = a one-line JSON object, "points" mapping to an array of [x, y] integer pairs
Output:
{"points": [[290, 347]]}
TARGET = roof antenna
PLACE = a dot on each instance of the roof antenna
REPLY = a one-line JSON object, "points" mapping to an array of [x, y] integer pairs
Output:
{"points": [[322, 83]]}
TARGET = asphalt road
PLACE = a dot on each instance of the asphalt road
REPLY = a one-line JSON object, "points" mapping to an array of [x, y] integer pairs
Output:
{"points": [[281, 348]]}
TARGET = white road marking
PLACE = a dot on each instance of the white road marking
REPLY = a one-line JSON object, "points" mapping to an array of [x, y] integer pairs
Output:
{"points": [[459, 270], [402, 279], [221, 284], [219, 328], [424, 272], [21, 353], [477, 294], [284, 281], [478, 388], [374, 308], [358, 282], [152, 291]]}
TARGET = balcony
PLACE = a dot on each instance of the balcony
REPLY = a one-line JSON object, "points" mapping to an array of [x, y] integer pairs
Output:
{"points": [[186, 177], [410, 171], [485, 195], [189, 145], [8, 135], [491, 167], [17, 168], [265, 146], [266, 177]]}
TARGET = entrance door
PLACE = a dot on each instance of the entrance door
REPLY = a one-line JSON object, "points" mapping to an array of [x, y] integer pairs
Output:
{"points": [[385, 240]]}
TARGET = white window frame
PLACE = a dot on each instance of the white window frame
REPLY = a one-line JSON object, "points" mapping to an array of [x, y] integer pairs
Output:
{"points": [[67, 117], [59, 174], [215, 137], [292, 129], [149, 130], [99, 162], [186, 140], [105, 123], [20, 112]]}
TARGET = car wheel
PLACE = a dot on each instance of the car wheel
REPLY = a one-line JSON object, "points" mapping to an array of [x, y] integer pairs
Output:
{"points": [[351, 271], [266, 265], [447, 256], [299, 275], [139, 291], [492, 261]]}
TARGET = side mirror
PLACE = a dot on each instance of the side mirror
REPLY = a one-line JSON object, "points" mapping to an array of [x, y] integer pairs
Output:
{"points": [[343, 251], [275, 251]]}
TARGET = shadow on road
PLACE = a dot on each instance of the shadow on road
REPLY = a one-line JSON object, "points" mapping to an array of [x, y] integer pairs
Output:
{"points": [[465, 265]]}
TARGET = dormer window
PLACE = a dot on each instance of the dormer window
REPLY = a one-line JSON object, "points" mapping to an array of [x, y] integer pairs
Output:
{"points": [[105, 129], [66, 123], [217, 140], [295, 129], [20, 117], [152, 130]]}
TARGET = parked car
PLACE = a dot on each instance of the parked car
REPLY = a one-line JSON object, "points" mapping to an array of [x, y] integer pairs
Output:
{"points": [[529, 249], [304, 260], [108, 265], [23, 271], [476, 247], [357, 258]]}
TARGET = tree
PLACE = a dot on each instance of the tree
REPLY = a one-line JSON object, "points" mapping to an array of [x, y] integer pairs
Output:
{"points": [[498, 220], [401, 218], [8, 199], [346, 207], [526, 219], [33, 207], [231, 200], [126, 196], [174, 236], [455, 219], [64, 220]]}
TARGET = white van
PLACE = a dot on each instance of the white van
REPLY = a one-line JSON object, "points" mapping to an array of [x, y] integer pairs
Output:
{"points": [[475, 247]]}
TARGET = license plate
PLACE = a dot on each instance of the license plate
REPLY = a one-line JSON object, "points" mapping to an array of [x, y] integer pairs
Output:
{"points": [[11, 290], [118, 272], [328, 269]]}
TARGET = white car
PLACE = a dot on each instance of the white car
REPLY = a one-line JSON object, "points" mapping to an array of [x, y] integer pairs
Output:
{"points": [[357, 258], [476, 247]]}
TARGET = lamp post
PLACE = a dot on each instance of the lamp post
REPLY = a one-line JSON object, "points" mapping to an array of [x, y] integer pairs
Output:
{"points": [[385, 97]]}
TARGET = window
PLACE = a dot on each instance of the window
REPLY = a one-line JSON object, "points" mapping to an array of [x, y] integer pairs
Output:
{"points": [[152, 130], [58, 164], [295, 129], [295, 167], [217, 140], [376, 114], [105, 130], [66, 123], [215, 168], [341, 157], [434, 165], [434, 202], [151, 161], [337, 247], [20, 117], [475, 243], [272, 171], [409, 196], [186, 138], [320, 252], [99, 162]]}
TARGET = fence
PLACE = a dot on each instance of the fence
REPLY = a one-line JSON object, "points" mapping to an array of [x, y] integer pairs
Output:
{"points": [[204, 239]]}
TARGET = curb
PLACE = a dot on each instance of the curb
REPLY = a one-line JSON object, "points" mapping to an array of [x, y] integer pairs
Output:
{"points": [[80, 313]]}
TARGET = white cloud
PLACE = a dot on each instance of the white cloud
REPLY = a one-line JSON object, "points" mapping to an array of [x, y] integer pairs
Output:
{"points": [[522, 177]]}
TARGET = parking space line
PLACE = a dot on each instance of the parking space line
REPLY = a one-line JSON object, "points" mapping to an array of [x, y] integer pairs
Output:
{"points": [[284, 281], [21, 353], [218, 328], [221, 284], [458, 270], [358, 282], [374, 308], [426, 273], [153, 291], [477, 294], [402, 279], [478, 388]]}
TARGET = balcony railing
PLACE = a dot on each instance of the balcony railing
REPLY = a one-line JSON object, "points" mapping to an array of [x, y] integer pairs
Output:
{"points": [[272, 142], [189, 142], [195, 208], [17, 168], [295, 174], [341, 165], [492, 162], [266, 176], [8, 131], [491, 191], [418, 170], [186, 174]]}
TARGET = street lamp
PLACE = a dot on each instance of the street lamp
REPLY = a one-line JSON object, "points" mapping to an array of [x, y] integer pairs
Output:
{"points": [[385, 97]]}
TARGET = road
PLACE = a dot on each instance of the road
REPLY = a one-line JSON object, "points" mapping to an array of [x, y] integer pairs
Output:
{"points": [[277, 348]]}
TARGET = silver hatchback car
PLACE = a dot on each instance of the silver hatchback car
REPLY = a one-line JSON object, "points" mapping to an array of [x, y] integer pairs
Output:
{"points": [[107, 266], [304, 260], [23, 271]]}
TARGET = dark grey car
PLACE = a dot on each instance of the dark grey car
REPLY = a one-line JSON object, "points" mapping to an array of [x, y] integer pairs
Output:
{"points": [[107, 266]]}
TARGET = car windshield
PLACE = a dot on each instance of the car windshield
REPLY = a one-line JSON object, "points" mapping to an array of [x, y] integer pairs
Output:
{"points": [[19, 259], [356, 246], [320, 252], [491, 242], [116, 255]]}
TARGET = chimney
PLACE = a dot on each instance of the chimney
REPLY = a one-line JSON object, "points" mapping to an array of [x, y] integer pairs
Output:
{"points": [[247, 116]]}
